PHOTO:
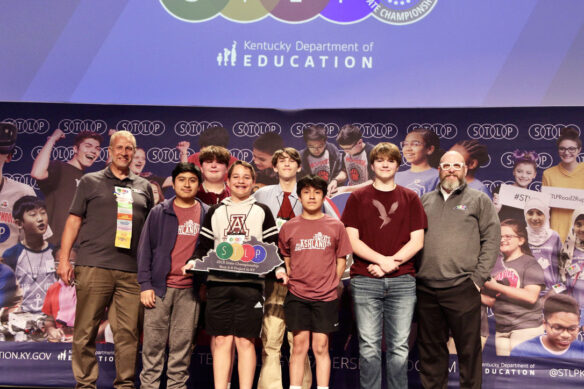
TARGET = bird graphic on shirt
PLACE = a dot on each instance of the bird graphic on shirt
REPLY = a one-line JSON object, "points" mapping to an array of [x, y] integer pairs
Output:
{"points": [[383, 215]]}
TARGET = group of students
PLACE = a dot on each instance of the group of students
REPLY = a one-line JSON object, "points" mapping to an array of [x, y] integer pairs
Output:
{"points": [[314, 246]]}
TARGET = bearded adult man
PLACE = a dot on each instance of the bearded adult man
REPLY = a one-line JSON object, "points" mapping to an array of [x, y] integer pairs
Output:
{"points": [[461, 245]]}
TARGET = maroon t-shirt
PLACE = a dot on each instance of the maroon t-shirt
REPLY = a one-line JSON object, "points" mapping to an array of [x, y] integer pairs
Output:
{"points": [[184, 247], [385, 221], [212, 198], [313, 247]]}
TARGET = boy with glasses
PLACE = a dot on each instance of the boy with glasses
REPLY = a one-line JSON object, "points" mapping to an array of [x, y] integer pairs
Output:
{"points": [[561, 315], [320, 157]]}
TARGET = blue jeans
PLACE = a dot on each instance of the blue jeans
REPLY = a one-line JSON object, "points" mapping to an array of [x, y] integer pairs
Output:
{"points": [[383, 303]]}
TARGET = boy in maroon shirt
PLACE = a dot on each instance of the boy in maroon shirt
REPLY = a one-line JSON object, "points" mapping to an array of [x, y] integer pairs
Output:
{"points": [[314, 247], [385, 223]]}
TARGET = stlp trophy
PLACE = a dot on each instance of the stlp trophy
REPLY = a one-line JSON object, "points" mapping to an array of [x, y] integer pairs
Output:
{"points": [[253, 257]]}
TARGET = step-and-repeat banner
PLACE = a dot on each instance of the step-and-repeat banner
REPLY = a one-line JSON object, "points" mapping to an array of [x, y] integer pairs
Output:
{"points": [[36, 332]]}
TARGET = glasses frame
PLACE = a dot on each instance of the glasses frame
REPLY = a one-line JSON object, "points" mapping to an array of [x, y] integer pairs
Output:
{"points": [[448, 165]]}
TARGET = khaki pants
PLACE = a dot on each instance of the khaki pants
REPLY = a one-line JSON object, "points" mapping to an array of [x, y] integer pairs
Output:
{"points": [[95, 288], [506, 341], [273, 329]]}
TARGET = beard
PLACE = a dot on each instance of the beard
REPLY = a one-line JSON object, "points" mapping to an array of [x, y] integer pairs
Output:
{"points": [[449, 185]]}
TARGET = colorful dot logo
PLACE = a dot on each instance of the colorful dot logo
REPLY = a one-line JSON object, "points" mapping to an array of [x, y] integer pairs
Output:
{"points": [[241, 252], [397, 12]]}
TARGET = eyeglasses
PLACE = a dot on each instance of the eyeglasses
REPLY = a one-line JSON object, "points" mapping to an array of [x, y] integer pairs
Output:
{"points": [[570, 150], [558, 329], [414, 143], [454, 166], [508, 237], [319, 147]]}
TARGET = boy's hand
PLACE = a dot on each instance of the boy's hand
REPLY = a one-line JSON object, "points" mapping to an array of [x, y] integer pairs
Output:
{"points": [[389, 265], [332, 187], [148, 298], [281, 275], [56, 135], [55, 334], [375, 270], [65, 271], [186, 267]]}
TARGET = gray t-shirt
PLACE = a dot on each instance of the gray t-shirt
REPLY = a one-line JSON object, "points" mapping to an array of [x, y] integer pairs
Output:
{"points": [[511, 314], [95, 202]]}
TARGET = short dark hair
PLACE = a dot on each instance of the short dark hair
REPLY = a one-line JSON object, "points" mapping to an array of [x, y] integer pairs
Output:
{"points": [[560, 303], [385, 150], [349, 135], [186, 167], [246, 165], [214, 136], [87, 135], [312, 180], [25, 204], [268, 142], [314, 132], [212, 153], [290, 151], [569, 133]]}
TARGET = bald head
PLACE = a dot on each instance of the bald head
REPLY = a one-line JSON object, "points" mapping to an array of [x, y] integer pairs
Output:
{"points": [[452, 156]]}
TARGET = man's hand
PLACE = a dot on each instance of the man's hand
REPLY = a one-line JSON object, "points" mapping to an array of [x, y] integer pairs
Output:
{"points": [[148, 298], [281, 275], [65, 271]]}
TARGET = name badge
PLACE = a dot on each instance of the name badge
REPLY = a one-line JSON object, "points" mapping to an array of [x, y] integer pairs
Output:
{"points": [[124, 220], [574, 269], [559, 288], [543, 262], [280, 222]]}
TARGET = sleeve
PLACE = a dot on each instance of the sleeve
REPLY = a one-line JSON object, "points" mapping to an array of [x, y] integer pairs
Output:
{"points": [[490, 238], [54, 173], [283, 243], [79, 203], [533, 274], [206, 237], [418, 218], [350, 213], [344, 247], [145, 249], [270, 231], [10, 256]]}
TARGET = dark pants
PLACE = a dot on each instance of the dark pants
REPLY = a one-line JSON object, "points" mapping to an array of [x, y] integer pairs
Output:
{"points": [[458, 310]]}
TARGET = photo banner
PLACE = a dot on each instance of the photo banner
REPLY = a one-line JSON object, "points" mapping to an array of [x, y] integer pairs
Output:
{"points": [[160, 129]]}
